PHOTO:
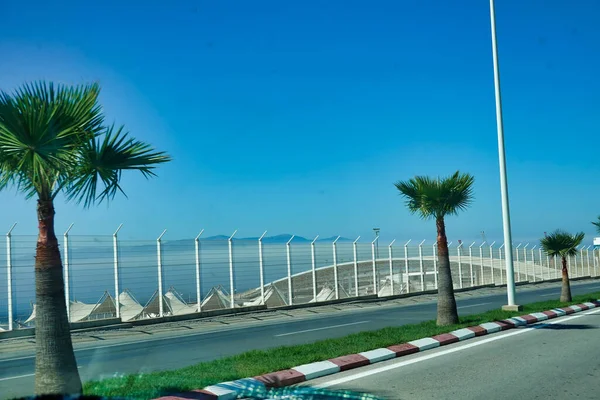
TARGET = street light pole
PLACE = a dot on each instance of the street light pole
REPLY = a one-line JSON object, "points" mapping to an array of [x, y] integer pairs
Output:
{"points": [[510, 277]]}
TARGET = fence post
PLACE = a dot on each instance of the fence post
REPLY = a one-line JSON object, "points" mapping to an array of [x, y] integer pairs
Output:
{"points": [[9, 280], [288, 252], [471, 264], [482, 281], [355, 267], [335, 271], [392, 269], [533, 263], [548, 264], [198, 289], [406, 269], [501, 263], [458, 253], [160, 273], [578, 250], [587, 256], [519, 264], [581, 258], [374, 265], [314, 267], [541, 260], [573, 264], [435, 272], [525, 262], [492, 262], [556, 266], [261, 268], [421, 269], [231, 286], [116, 269], [66, 273]]}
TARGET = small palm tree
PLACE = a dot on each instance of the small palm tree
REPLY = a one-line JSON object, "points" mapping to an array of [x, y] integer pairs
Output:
{"points": [[437, 198], [562, 244], [53, 140], [597, 225]]}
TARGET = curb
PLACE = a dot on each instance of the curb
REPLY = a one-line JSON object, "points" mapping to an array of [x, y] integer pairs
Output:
{"points": [[303, 373]]}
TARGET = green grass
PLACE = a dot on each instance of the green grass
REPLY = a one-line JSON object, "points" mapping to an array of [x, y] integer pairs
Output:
{"points": [[252, 363]]}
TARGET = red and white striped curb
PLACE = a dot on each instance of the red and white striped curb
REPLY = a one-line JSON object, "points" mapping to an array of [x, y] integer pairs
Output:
{"points": [[302, 373]]}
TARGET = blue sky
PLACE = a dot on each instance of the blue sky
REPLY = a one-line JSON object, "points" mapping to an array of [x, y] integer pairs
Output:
{"points": [[297, 117]]}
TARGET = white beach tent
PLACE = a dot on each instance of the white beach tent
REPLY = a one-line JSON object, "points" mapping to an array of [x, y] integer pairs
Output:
{"points": [[152, 307], [216, 299], [79, 311], [177, 305], [130, 307], [327, 293], [273, 298]]}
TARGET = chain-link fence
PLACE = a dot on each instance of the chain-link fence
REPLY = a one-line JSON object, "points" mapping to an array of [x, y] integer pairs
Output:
{"points": [[107, 277]]}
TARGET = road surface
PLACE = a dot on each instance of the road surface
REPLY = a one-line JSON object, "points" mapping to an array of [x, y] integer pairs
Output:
{"points": [[99, 360], [556, 359]]}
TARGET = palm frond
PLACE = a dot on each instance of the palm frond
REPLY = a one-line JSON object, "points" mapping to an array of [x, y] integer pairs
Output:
{"points": [[597, 225], [561, 243], [101, 161], [431, 197], [40, 126]]}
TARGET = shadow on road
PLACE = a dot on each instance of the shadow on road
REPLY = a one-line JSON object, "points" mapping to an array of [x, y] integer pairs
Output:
{"points": [[566, 326]]}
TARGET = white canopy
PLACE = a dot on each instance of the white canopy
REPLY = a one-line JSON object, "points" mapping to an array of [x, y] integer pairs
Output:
{"points": [[152, 307], [215, 300], [177, 305], [273, 298], [130, 307], [327, 293], [386, 288], [79, 311]]}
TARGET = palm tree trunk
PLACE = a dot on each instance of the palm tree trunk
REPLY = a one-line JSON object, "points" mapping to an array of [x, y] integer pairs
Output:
{"points": [[565, 291], [447, 313], [55, 365]]}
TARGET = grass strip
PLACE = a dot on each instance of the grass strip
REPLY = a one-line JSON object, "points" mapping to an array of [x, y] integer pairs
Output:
{"points": [[255, 362]]}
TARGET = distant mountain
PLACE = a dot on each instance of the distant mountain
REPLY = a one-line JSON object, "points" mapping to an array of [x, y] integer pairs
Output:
{"points": [[284, 238], [217, 237], [332, 238]]}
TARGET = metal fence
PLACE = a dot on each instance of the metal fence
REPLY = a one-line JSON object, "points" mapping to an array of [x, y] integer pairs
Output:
{"points": [[106, 277]]}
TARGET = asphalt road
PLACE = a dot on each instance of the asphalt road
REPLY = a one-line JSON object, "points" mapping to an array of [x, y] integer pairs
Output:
{"points": [[100, 361], [558, 359]]}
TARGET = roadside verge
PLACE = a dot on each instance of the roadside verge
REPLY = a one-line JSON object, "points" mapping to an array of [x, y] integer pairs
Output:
{"points": [[294, 364]]}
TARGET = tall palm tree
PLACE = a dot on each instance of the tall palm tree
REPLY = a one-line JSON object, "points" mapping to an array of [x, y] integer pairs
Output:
{"points": [[597, 225], [435, 199], [53, 140], [562, 244]]}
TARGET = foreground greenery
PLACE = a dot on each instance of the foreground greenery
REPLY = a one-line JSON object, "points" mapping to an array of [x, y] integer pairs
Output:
{"points": [[253, 363]]}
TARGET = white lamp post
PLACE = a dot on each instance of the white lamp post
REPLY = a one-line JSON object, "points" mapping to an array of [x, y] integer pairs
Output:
{"points": [[510, 279]]}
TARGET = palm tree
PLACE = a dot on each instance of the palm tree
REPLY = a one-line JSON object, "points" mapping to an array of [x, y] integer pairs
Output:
{"points": [[437, 198], [597, 224], [53, 140], [563, 244]]}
